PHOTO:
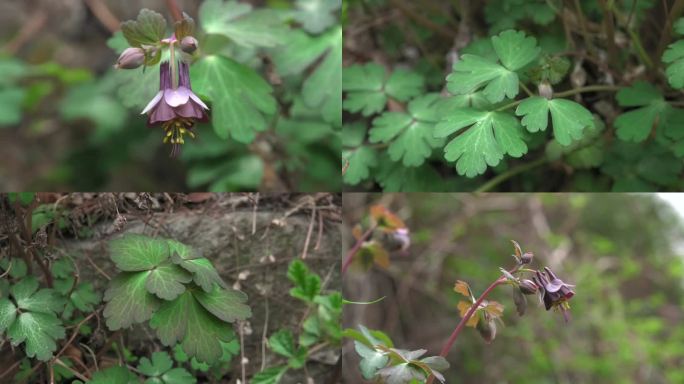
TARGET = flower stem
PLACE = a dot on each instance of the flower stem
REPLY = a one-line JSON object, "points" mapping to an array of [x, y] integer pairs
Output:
{"points": [[174, 65], [350, 255], [174, 9], [452, 339]]}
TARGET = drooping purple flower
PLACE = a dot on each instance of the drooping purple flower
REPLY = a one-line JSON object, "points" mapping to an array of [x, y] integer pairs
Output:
{"points": [[554, 292], [176, 109]]}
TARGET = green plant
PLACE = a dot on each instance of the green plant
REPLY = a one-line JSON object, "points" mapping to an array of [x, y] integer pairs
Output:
{"points": [[320, 326], [522, 101]]}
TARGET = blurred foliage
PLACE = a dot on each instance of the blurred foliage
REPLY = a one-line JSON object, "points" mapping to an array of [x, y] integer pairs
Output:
{"points": [[623, 252], [272, 75]]}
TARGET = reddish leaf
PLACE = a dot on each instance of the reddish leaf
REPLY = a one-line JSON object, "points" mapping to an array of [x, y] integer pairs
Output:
{"points": [[385, 219]]}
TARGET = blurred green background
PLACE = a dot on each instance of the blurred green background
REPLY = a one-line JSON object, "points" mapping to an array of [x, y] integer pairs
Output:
{"points": [[69, 121], [624, 253]]}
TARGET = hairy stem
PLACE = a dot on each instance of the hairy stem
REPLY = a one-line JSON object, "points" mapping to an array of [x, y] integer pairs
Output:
{"points": [[454, 335], [350, 255]]}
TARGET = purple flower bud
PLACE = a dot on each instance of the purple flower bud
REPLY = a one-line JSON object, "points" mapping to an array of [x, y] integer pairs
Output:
{"points": [[554, 292], [526, 257], [131, 58], [528, 287], [188, 44]]}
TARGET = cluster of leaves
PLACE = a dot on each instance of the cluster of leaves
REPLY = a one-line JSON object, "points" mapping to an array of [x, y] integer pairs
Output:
{"points": [[179, 292], [322, 325], [486, 116], [381, 361]]}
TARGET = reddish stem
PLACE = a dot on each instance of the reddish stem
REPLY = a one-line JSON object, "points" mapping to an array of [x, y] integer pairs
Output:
{"points": [[350, 255], [464, 320], [174, 9]]}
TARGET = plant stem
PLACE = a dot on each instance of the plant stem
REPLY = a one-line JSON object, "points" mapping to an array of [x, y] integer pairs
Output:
{"points": [[350, 255], [454, 335], [489, 185], [527, 90], [174, 9], [590, 88], [666, 35]]}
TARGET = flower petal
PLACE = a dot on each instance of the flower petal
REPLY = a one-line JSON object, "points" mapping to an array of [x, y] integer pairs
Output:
{"points": [[162, 113], [191, 110], [198, 100], [176, 97], [152, 102]]}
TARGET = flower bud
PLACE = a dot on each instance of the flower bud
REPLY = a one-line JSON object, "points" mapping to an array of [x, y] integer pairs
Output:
{"points": [[520, 301], [188, 44], [487, 329], [526, 257], [131, 58], [528, 287]]}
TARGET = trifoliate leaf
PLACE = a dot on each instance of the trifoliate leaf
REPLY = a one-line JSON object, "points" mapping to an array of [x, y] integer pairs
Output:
{"points": [[371, 360], [167, 281], [674, 58], [410, 134], [368, 87], [637, 124], [148, 29], [240, 97], [187, 321], [490, 135], [472, 72], [128, 301], [85, 297], [39, 331], [160, 363], [203, 272], [406, 366], [240, 23], [114, 375], [282, 343], [307, 285], [138, 253], [569, 118], [641, 168], [322, 89], [316, 15], [269, 376]]}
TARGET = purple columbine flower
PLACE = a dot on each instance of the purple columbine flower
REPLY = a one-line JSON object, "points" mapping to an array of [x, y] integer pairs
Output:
{"points": [[175, 108], [554, 292]]}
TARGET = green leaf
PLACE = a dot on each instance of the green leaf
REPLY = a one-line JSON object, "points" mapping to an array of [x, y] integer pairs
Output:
{"points": [[85, 297], [160, 363], [269, 376], [368, 87], [473, 72], [569, 118], [185, 320], [114, 375], [240, 23], [637, 124], [371, 360], [138, 253], [311, 331], [282, 343], [128, 301], [679, 26], [307, 285], [394, 177], [316, 15], [674, 57], [359, 162], [167, 281], [8, 313], [148, 29], [410, 134], [489, 137], [38, 331], [226, 304], [178, 376], [240, 97], [322, 89], [203, 272], [11, 100]]}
